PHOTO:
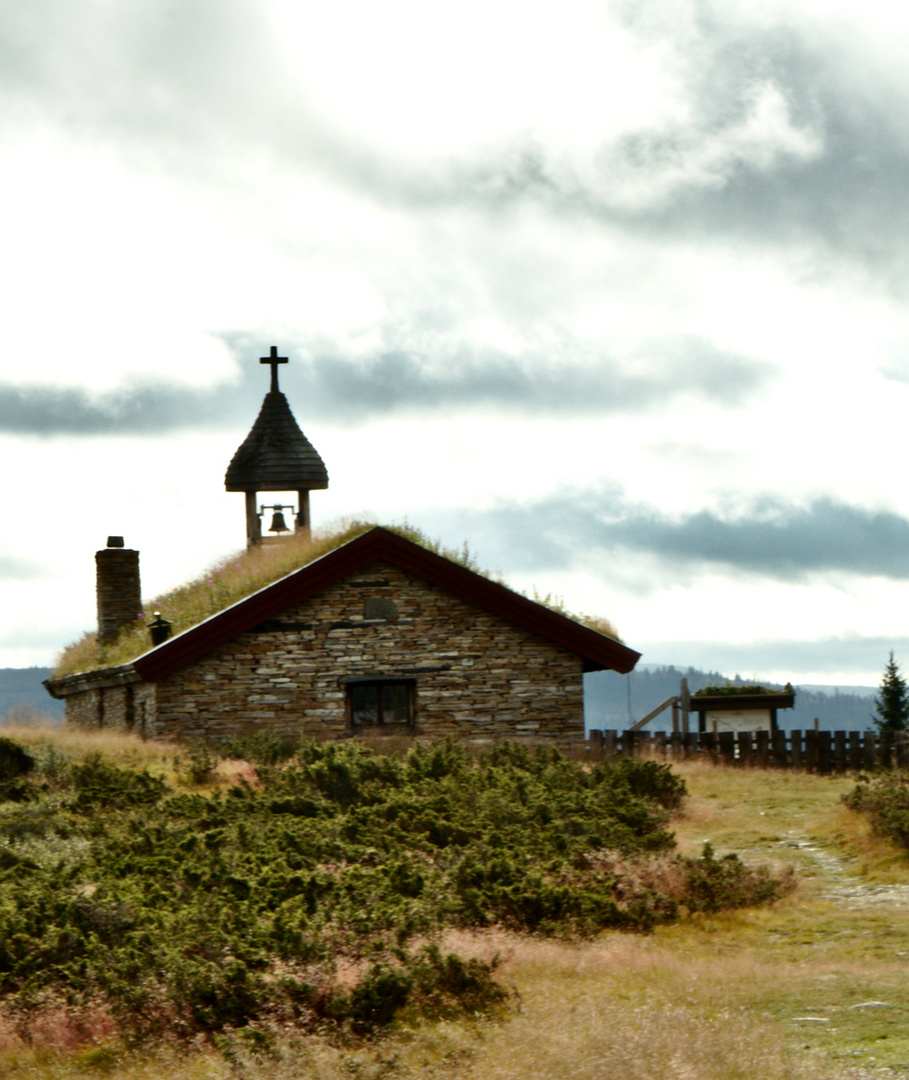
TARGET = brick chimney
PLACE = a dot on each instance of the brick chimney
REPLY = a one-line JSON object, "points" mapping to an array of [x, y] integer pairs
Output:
{"points": [[117, 587]]}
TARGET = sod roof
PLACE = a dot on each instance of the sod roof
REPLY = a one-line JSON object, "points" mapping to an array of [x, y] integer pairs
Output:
{"points": [[597, 651]]}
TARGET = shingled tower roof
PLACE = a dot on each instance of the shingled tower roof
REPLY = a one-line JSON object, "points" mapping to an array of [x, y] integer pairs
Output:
{"points": [[275, 455]]}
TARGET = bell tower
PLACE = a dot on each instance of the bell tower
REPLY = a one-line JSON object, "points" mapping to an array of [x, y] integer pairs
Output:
{"points": [[275, 456]]}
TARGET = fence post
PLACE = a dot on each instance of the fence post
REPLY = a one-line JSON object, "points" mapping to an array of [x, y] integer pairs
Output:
{"points": [[726, 740], [629, 742], [609, 745], [762, 739], [811, 750], [839, 751], [596, 745], [869, 741], [825, 750], [795, 741], [708, 744], [778, 742], [886, 747], [743, 739], [855, 749]]}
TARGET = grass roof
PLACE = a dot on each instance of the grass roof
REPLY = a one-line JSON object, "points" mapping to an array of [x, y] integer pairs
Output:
{"points": [[241, 574]]}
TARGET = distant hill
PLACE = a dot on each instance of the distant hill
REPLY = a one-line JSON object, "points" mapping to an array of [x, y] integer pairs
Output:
{"points": [[20, 688], [611, 699]]}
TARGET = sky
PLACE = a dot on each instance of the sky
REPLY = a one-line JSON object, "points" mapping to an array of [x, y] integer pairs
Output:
{"points": [[614, 292]]}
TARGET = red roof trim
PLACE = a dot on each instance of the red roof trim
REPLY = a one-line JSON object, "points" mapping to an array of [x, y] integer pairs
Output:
{"points": [[598, 651]]}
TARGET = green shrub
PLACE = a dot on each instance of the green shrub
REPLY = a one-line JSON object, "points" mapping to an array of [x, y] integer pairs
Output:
{"points": [[200, 767], [15, 764], [100, 784], [15, 760], [713, 884], [263, 748], [189, 912], [885, 802]]}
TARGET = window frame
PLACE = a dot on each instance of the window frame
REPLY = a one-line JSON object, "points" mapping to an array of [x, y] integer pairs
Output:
{"points": [[380, 682]]}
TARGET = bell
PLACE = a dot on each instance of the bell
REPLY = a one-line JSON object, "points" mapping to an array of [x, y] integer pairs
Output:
{"points": [[278, 524]]}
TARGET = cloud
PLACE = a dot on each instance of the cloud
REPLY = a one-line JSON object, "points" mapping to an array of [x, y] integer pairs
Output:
{"points": [[339, 389], [837, 655], [778, 539], [781, 128], [133, 410], [15, 569], [396, 380], [770, 537]]}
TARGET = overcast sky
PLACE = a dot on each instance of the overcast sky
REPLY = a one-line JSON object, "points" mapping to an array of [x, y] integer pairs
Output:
{"points": [[615, 291]]}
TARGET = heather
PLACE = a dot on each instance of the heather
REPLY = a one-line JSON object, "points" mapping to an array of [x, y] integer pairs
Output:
{"points": [[884, 801], [316, 893]]}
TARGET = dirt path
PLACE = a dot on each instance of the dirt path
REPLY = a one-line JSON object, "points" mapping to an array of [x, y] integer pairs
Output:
{"points": [[838, 879], [830, 964]]}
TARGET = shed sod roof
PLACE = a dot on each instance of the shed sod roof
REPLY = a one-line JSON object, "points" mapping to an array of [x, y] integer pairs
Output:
{"points": [[597, 651], [735, 702]]}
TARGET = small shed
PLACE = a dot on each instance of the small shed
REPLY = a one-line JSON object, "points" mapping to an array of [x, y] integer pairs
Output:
{"points": [[740, 708]]}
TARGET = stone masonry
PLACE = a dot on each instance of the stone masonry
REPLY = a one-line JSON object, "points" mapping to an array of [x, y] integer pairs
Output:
{"points": [[475, 674], [118, 590]]}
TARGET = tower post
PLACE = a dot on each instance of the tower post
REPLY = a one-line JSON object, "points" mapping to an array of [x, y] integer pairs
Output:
{"points": [[253, 521]]}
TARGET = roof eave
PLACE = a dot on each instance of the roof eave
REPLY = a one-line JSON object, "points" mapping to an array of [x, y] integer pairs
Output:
{"points": [[98, 679]]}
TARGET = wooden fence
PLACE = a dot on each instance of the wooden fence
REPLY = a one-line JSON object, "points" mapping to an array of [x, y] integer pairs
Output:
{"points": [[814, 751]]}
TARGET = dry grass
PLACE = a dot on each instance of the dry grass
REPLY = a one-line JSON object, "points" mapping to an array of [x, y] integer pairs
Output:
{"points": [[875, 857], [59, 1029], [621, 1009], [223, 584], [779, 993], [243, 573], [78, 743]]}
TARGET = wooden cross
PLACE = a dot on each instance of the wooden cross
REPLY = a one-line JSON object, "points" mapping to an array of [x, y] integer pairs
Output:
{"points": [[273, 359]]}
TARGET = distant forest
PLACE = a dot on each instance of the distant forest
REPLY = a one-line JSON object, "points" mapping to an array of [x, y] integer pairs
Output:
{"points": [[21, 690], [610, 699]]}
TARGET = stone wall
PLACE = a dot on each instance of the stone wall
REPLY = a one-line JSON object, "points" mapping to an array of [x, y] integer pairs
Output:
{"points": [[475, 674], [129, 705]]}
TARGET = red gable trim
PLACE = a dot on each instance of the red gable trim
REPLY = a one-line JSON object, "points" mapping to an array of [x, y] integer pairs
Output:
{"points": [[597, 650]]}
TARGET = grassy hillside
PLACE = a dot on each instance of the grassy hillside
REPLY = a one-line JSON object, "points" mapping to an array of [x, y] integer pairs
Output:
{"points": [[242, 574], [810, 988]]}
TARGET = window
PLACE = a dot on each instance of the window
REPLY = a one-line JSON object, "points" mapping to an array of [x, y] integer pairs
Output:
{"points": [[385, 702]]}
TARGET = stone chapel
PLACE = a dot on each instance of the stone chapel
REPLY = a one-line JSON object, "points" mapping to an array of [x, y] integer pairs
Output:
{"points": [[379, 636]]}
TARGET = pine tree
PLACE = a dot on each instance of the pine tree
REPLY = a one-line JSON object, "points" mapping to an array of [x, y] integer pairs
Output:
{"points": [[893, 703]]}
